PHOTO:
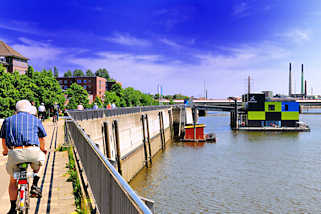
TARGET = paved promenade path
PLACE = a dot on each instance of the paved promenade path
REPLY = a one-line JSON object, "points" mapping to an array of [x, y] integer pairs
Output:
{"points": [[57, 194]]}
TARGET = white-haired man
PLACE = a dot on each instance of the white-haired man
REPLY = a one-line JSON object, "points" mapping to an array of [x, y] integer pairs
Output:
{"points": [[23, 140]]}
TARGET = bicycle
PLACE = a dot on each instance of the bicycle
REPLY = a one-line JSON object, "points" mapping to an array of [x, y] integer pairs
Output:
{"points": [[22, 177]]}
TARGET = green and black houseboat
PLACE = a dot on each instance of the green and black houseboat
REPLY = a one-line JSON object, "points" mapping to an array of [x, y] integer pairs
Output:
{"points": [[272, 114]]}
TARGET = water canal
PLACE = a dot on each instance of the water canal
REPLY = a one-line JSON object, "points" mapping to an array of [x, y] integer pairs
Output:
{"points": [[245, 172]]}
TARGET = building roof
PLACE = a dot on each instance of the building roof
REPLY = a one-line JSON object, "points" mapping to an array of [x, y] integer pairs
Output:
{"points": [[6, 50]]}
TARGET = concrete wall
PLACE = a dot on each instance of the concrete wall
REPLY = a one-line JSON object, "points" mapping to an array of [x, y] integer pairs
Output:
{"points": [[131, 145]]}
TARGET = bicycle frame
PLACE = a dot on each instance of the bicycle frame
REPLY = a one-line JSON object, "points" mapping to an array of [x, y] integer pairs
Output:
{"points": [[22, 177]]}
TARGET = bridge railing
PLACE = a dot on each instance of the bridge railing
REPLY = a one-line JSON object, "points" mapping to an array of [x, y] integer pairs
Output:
{"points": [[111, 192], [100, 113]]}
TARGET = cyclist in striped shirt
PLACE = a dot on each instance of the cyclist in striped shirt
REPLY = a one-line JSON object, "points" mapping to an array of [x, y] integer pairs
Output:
{"points": [[23, 140]]}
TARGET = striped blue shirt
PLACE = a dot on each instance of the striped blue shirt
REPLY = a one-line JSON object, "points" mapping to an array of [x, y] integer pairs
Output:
{"points": [[22, 129]]}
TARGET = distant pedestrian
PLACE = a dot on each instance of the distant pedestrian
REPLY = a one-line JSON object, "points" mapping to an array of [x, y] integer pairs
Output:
{"points": [[33, 111], [95, 106], [42, 111], [56, 112], [109, 106], [80, 107]]}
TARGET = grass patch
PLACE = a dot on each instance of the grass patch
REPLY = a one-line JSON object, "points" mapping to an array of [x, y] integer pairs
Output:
{"points": [[80, 202]]}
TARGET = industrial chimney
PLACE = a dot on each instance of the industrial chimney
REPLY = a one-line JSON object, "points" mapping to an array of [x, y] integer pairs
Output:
{"points": [[302, 80], [305, 88], [290, 81], [249, 85]]}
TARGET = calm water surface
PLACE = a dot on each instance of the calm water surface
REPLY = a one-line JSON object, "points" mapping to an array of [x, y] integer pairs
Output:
{"points": [[244, 172]]}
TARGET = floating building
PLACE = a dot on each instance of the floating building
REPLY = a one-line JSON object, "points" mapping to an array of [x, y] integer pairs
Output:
{"points": [[262, 111]]}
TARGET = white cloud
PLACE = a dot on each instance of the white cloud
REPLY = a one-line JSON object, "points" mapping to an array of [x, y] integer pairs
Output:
{"points": [[170, 43], [145, 71], [296, 35], [19, 26], [241, 10], [39, 52], [125, 39]]}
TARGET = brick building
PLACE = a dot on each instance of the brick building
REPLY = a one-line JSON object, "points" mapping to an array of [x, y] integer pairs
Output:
{"points": [[95, 86], [12, 60]]}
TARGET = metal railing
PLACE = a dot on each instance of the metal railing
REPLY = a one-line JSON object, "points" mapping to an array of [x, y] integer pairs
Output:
{"points": [[111, 192], [100, 113]]}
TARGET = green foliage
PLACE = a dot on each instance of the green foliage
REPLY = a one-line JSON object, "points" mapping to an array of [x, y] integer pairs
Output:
{"points": [[128, 97], [77, 95], [147, 100], [117, 89], [89, 73], [99, 102], [48, 89], [43, 87], [78, 73], [30, 71], [180, 97], [111, 97], [73, 177], [68, 74], [102, 72], [171, 101]]}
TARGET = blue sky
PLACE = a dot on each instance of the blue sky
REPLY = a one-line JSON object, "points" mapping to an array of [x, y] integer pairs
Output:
{"points": [[178, 44]]}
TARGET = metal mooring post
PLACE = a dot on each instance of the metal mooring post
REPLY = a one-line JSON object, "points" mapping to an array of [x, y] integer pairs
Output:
{"points": [[148, 139], [144, 140], [115, 123], [106, 134]]}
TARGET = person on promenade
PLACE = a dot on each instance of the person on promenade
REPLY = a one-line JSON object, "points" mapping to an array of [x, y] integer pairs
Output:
{"points": [[23, 140], [55, 112], [95, 106], [33, 111], [42, 111]]}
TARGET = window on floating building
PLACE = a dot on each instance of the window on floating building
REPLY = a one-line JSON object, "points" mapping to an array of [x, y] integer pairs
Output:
{"points": [[85, 86], [271, 107], [65, 81], [286, 107], [65, 87], [78, 81], [85, 81]]}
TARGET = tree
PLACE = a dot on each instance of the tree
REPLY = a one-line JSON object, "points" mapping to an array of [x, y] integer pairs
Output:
{"points": [[77, 95], [89, 73], [30, 71], [179, 97], [43, 87], [102, 72], [148, 100], [99, 102], [68, 74], [132, 97], [111, 97], [48, 89], [78, 73], [117, 89], [56, 72]]}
